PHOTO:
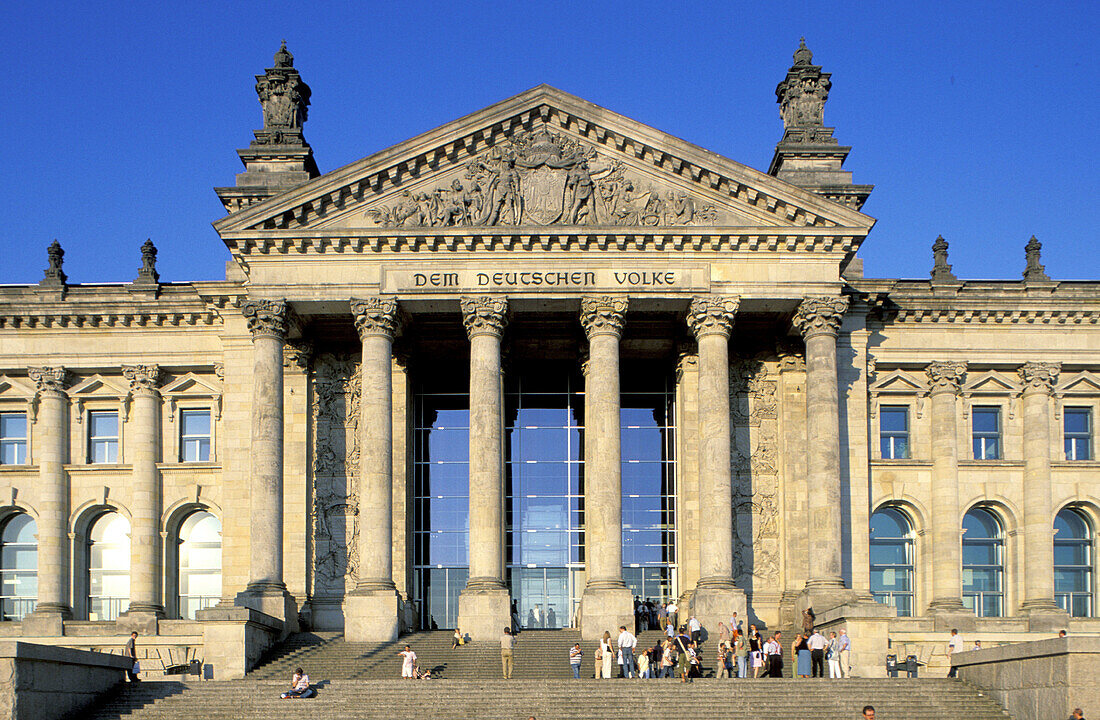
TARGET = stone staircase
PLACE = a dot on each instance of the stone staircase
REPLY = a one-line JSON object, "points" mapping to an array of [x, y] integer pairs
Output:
{"points": [[361, 681]]}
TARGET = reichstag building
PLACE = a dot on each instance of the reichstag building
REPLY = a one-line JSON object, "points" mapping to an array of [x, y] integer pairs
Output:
{"points": [[542, 361]]}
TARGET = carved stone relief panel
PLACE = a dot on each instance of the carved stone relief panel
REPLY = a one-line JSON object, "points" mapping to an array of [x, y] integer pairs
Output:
{"points": [[754, 450], [335, 504], [543, 178]]}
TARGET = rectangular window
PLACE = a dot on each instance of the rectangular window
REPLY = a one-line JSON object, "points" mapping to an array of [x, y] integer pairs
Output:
{"points": [[194, 436], [894, 432], [1077, 426], [13, 438], [103, 436], [987, 433]]}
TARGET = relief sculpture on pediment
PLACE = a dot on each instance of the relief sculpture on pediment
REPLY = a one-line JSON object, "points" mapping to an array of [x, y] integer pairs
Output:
{"points": [[542, 178]]}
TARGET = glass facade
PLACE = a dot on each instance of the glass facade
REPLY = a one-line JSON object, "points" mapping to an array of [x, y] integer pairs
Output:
{"points": [[544, 492], [983, 563], [1073, 563], [892, 560], [18, 567], [200, 563], [108, 567], [13, 438]]}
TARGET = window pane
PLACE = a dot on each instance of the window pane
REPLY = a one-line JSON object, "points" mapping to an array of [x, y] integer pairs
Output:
{"points": [[13, 426], [103, 424], [195, 422], [894, 419], [986, 419], [1077, 420]]}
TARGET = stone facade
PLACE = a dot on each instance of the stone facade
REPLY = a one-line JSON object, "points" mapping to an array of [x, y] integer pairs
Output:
{"points": [[547, 227]]}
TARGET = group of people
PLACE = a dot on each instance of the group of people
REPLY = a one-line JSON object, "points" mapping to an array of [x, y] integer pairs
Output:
{"points": [[738, 654]]}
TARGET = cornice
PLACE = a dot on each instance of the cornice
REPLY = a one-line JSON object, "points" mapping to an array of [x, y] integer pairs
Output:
{"points": [[27, 317], [510, 239], [995, 316]]}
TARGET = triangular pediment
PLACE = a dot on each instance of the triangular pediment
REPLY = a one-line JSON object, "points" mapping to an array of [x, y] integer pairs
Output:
{"points": [[190, 384], [98, 385], [991, 382], [898, 381], [542, 158], [1082, 383]]}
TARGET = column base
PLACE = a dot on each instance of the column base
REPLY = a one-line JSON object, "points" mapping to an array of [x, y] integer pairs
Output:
{"points": [[825, 595], [1044, 616], [484, 610], [604, 607], [950, 614], [46, 621], [371, 615], [143, 619], [271, 599], [714, 603]]}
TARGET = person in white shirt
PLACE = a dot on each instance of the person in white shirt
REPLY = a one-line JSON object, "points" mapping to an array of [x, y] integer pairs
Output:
{"points": [[408, 663], [735, 624], [626, 643], [844, 643], [817, 644], [954, 645], [672, 610], [696, 628], [299, 686]]}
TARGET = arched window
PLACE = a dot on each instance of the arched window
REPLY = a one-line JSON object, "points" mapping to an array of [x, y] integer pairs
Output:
{"points": [[200, 563], [18, 567], [108, 567], [892, 560], [1073, 563], [983, 547]]}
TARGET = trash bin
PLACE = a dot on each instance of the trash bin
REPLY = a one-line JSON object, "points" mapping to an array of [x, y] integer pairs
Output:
{"points": [[911, 666], [891, 665], [195, 668]]}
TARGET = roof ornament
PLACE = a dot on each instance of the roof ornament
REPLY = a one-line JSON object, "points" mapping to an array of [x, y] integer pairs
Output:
{"points": [[54, 275], [283, 58], [803, 56], [283, 96], [148, 272], [802, 94], [1034, 271], [941, 271]]}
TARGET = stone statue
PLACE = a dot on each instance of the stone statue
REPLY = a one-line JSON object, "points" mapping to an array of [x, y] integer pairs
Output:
{"points": [[148, 271], [283, 95], [802, 94], [941, 271], [1034, 271], [579, 183], [54, 275]]}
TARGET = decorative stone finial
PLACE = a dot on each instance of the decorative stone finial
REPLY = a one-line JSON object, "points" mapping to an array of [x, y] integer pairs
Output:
{"points": [[1034, 271], [148, 274], [802, 94], [941, 271], [54, 275], [283, 95]]}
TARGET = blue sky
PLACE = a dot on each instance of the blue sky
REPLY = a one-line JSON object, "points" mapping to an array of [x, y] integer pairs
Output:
{"points": [[976, 120]]}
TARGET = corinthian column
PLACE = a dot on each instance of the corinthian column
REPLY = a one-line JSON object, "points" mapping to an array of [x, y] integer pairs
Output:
{"points": [[53, 488], [606, 603], [711, 321], [944, 380], [818, 319], [266, 591], [145, 554], [1039, 380], [483, 606], [371, 609]]}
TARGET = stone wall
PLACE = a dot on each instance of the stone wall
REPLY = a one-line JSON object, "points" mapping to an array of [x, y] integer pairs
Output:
{"points": [[1041, 679], [40, 682]]}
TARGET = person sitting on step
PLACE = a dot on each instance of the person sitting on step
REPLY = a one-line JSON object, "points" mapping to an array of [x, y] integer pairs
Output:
{"points": [[299, 686]]}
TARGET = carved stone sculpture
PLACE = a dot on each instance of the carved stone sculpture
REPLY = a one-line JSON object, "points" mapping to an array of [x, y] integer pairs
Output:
{"points": [[376, 316], [148, 274], [541, 178], [283, 94], [802, 94], [54, 275], [1034, 272], [941, 271]]}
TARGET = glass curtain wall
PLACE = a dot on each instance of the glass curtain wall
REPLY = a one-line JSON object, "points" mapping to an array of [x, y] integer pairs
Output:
{"points": [[649, 482], [441, 499]]}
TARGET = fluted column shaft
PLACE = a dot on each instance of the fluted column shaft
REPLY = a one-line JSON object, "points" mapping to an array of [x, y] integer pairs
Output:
{"points": [[267, 320], [377, 323], [945, 379], [145, 541], [1039, 380], [53, 488], [602, 318], [818, 319], [711, 320], [485, 319]]}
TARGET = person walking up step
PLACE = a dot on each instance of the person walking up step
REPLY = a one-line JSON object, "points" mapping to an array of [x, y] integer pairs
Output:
{"points": [[507, 645], [575, 657], [626, 643]]}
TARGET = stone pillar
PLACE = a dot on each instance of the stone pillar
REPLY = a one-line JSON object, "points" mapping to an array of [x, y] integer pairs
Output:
{"points": [[146, 603], [716, 598], [266, 591], [818, 320], [1039, 380], [483, 606], [606, 603], [53, 509], [371, 609], [944, 380]]}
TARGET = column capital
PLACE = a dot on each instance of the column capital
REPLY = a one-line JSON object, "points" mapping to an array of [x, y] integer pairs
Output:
{"points": [[297, 353], [144, 379], [1040, 376], [945, 376], [266, 318], [818, 315], [48, 380], [687, 358], [376, 315], [484, 315], [603, 315], [712, 314]]}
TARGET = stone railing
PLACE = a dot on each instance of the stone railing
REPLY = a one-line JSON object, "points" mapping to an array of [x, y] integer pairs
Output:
{"points": [[41, 682]]}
